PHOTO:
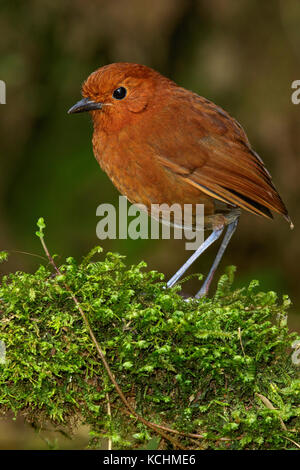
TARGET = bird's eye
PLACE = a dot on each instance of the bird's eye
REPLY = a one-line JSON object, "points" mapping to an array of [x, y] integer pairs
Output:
{"points": [[119, 93]]}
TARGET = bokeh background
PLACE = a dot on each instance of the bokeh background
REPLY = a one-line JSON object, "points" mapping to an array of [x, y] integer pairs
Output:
{"points": [[242, 55]]}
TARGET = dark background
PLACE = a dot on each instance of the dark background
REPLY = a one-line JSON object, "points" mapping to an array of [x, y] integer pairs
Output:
{"points": [[243, 55]]}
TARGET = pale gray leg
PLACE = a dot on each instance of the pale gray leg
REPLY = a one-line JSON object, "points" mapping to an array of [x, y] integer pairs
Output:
{"points": [[212, 238], [229, 232]]}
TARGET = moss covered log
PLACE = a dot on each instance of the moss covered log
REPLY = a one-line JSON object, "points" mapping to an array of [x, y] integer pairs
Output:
{"points": [[215, 373]]}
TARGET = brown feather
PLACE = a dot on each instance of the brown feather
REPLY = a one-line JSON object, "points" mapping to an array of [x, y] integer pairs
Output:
{"points": [[217, 157]]}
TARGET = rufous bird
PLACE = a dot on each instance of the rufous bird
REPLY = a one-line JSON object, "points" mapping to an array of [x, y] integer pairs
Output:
{"points": [[160, 143]]}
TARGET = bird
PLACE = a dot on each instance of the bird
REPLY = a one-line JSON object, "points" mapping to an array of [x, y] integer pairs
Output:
{"points": [[161, 143]]}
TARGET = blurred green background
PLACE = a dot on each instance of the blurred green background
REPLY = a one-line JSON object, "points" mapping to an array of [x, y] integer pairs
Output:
{"points": [[243, 55]]}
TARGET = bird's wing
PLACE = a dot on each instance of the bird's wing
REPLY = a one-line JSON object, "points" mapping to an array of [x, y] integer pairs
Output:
{"points": [[210, 150]]}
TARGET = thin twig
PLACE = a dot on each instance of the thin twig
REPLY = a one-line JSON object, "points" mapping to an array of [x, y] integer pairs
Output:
{"points": [[109, 447], [27, 253], [269, 405], [191, 435], [296, 443], [240, 337]]}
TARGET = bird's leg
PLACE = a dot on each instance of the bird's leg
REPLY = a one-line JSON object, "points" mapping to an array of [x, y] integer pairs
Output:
{"points": [[229, 232], [212, 238]]}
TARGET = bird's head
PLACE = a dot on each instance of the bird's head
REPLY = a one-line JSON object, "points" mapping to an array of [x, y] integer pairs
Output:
{"points": [[119, 91]]}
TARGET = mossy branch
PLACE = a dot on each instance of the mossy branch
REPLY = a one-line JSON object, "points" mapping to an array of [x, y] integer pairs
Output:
{"points": [[152, 426], [212, 373]]}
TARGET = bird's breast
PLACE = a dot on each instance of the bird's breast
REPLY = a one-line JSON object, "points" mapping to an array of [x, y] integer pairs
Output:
{"points": [[137, 174]]}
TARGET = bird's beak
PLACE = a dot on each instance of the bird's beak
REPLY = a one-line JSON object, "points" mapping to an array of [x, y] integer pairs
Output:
{"points": [[83, 105]]}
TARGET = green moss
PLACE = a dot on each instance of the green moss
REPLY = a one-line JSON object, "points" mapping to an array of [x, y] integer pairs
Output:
{"points": [[219, 367]]}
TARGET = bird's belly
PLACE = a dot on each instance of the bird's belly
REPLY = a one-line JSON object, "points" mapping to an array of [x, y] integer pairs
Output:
{"points": [[150, 185]]}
